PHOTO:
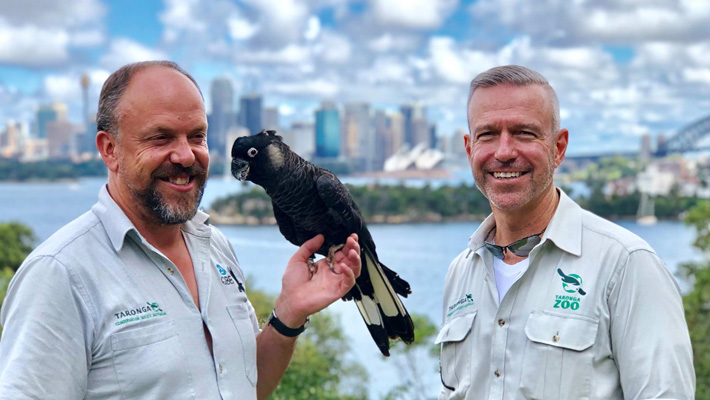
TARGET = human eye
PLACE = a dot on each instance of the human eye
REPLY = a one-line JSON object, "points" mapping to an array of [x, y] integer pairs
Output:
{"points": [[484, 135], [199, 137]]}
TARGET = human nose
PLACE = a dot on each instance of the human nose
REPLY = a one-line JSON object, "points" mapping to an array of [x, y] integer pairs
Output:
{"points": [[182, 153], [507, 148]]}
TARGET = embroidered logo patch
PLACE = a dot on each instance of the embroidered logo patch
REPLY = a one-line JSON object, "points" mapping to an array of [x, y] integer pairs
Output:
{"points": [[571, 283], [150, 310], [460, 304]]}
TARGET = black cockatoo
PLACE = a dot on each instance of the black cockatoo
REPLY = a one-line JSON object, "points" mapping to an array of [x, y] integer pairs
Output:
{"points": [[309, 200]]}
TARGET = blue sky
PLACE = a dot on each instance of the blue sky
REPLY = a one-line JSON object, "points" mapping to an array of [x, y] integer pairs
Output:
{"points": [[622, 68]]}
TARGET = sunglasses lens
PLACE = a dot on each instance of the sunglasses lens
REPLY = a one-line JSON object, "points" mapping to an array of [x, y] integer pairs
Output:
{"points": [[497, 251], [524, 246]]}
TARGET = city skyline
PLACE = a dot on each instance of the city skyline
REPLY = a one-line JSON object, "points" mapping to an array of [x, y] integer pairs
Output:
{"points": [[621, 68]]}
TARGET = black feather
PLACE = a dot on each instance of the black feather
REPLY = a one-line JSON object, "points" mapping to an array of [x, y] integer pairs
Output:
{"points": [[309, 200]]}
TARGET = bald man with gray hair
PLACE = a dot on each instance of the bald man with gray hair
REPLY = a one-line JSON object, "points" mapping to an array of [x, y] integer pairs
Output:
{"points": [[550, 301]]}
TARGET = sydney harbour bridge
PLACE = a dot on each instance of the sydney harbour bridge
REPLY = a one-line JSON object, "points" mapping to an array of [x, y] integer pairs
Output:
{"points": [[688, 139]]}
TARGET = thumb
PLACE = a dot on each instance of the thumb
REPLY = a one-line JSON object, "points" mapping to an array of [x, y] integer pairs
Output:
{"points": [[308, 248]]}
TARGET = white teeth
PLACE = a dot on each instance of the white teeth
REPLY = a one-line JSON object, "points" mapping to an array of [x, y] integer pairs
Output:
{"points": [[180, 181], [506, 174]]}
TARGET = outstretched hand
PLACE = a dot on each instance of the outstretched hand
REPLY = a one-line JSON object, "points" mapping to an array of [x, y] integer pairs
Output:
{"points": [[302, 294]]}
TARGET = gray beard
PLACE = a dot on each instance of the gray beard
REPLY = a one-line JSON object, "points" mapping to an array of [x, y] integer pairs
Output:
{"points": [[166, 213]]}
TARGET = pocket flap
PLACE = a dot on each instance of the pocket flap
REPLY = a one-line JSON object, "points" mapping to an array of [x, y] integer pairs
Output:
{"points": [[574, 332], [143, 336], [457, 329]]}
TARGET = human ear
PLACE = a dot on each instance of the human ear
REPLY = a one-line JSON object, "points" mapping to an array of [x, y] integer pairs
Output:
{"points": [[107, 146], [561, 141]]}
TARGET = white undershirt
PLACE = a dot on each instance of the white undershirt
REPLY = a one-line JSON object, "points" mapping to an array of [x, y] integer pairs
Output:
{"points": [[507, 274]]}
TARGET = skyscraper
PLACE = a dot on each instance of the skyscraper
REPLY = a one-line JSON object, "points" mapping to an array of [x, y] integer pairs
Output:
{"points": [[222, 117], [416, 127], [47, 113], [327, 131], [270, 118], [250, 113], [360, 135]]}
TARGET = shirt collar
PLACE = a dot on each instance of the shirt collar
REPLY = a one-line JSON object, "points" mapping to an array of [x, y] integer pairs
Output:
{"points": [[118, 226], [564, 230]]}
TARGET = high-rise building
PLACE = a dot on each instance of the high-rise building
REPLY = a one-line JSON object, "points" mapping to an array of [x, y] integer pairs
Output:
{"points": [[250, 113], [11, 140], [415, 124], [85, 82], [301, 138], [359, 135], [61, 139], [47, 113], [270, 118], [222, 116], [327, 131]]}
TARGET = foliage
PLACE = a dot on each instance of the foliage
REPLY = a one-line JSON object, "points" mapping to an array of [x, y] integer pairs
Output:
{"points": [[5, 276], [670, 206], [17, 240], [381, 203], [319, 368], [408, 359], [13, 170], [697, 302], [608, 169]]}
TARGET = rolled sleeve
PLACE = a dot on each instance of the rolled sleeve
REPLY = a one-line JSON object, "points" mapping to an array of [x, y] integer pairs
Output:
{"points": [[44, 351], [649, 334]]}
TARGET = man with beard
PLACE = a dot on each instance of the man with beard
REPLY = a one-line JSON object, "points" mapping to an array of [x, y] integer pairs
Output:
{"points": [[140, 298], [550, 301]]}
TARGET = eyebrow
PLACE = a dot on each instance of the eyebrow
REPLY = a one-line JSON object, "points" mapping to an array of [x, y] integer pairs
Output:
{"points": [[514, 128], [170, 131]]}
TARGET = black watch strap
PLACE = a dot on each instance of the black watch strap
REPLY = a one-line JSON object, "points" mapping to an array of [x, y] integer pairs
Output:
{"points": [[283, 329]]}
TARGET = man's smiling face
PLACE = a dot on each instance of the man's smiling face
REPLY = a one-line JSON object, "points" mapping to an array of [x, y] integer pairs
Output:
{"points": [[512, 147], [162, 147]]}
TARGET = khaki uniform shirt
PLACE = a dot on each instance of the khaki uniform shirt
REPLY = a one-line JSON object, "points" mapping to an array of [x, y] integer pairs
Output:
{"points": [[595, 316], [96, 312]]}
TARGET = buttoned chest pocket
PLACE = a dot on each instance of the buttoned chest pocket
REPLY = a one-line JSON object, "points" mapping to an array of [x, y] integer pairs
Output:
{"points": [[150, 363], [456, 356], [242, 321], [558, 356]]}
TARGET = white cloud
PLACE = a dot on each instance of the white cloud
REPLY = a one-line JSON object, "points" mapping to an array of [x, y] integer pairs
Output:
{"points": [[281, 23], [87, 38], [32, 46], [312, 28], [389, 42], [387, 70], [181, 16], [611, 21], [416, 14], [333, 48], [240, 28], [52, 13], [286, 110], [457, 64], [318, 88], [697, 75], [291, 54], [124, 51]]}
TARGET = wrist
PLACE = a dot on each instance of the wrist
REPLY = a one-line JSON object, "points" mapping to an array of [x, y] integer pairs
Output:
{"points": [[288, 315], [284, 329]]}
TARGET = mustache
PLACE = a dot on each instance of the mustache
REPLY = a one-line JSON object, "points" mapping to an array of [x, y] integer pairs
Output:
{"points": [[168, 170], [513, 165]]}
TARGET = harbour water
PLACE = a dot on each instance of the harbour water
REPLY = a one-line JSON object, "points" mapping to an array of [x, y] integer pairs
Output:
{"points": [[420, 253]]}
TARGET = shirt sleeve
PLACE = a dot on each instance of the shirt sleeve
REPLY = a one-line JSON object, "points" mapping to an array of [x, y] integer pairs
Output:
{"points": [[44, 351], [650, 339]]}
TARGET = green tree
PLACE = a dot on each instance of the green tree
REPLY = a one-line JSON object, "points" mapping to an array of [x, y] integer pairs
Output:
{"points": [[697, 302], [17, 240], [319, 368], [408, 359]]}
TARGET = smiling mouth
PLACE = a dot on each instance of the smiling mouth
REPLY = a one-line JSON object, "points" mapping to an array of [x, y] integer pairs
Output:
{"points": [[507, 175], [178, 180]]}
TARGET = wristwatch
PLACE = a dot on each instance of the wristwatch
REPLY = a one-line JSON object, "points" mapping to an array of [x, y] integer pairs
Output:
{"points": [[283, 329]]}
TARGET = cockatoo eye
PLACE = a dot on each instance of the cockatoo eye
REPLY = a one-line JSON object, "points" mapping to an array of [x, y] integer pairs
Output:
{"points": [[252, 152]]}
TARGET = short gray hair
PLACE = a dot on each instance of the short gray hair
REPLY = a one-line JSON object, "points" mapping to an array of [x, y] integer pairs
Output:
{"points": [[116, 84], [516, 75]]}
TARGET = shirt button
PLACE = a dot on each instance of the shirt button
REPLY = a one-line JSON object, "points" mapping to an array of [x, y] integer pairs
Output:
{"points": [[220, 368], [485, 278], [556, 338], [171, 270], [497, 373], [501, 322]]}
